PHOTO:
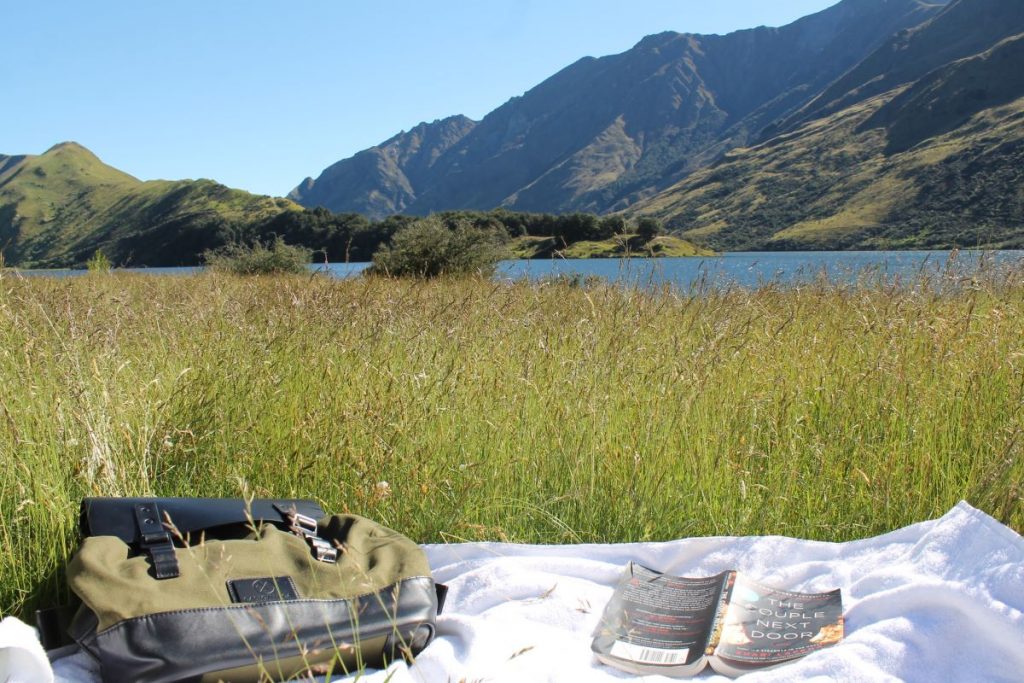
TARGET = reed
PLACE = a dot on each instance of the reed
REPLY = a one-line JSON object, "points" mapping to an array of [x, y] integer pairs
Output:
{"points": [[464, 410]]}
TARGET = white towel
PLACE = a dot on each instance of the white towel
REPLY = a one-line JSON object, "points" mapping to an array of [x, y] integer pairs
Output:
{"points": [[940, 600], [22, 659]]}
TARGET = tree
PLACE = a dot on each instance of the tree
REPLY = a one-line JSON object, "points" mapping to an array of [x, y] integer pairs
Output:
{"points": [[648, 227], [429, 248], [612, 225]]}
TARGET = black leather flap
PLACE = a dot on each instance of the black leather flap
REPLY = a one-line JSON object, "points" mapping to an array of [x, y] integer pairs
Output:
{"points": [[116, 516]]}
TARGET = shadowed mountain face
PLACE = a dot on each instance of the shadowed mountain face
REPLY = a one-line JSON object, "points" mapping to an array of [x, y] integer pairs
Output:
{"points": [[946, 98], [965, 28], [936, 160], [382, 180], [604, 132]]}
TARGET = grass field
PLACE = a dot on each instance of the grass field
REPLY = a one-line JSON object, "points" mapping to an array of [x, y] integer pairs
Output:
{"points": [[541, 413]]}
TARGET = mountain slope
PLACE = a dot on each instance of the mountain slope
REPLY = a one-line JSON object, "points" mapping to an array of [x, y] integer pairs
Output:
{"points": [[961, 30], [604, 132], [938, 162], [57, 208]]}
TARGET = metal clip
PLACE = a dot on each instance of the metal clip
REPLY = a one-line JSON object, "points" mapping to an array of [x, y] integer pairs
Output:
{"points": [[322, 550], [305, 527]]}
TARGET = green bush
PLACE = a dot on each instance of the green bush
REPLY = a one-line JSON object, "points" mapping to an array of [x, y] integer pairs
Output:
{"points": [[99, 263], [258, 259], [430, 247]]}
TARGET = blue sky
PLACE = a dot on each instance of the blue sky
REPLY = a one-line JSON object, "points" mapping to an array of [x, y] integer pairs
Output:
{"points": [[259, 94]]}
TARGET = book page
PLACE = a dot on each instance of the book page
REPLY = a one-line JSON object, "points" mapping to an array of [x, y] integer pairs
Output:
{"points": [[658, 619], [764, 625]]}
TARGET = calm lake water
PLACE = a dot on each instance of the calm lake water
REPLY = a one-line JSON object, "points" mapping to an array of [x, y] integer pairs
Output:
{"points": [[749, 269], [743, 269], [752, 269]]}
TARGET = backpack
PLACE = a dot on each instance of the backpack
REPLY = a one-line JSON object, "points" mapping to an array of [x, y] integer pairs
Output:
{"points": [[180, 589]]}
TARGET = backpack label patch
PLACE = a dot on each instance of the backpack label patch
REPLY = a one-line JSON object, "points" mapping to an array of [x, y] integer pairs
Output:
{"points": [[267, 589]]}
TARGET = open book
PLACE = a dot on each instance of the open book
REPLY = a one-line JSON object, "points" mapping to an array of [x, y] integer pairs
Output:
{"points": [[675, 626]]}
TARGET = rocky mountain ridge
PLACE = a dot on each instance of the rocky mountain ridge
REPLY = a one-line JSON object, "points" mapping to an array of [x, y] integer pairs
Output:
{"points": [[605, 132]]}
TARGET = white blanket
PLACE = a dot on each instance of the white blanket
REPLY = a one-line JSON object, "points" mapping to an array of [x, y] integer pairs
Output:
{"points": [[939, 600]]}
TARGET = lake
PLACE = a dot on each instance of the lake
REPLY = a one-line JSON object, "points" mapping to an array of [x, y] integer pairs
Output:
{"points": [[743, 269], [747, 269]]}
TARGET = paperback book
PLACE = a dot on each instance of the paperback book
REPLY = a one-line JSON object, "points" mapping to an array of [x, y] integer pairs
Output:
{"points": [[676, 626]]}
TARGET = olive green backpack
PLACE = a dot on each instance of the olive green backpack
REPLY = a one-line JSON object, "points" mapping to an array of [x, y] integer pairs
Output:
{"points": [[176, 589]]}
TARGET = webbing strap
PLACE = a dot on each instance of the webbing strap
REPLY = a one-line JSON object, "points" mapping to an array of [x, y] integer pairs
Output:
{"points": [[155, 541]]}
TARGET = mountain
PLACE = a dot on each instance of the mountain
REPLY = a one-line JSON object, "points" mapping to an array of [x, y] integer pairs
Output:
{"points": [[920, 145], [57, 208], [604, 133], [381, 181], [871, 124]]}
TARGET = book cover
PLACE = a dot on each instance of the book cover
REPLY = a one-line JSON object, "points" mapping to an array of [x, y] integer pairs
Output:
{"points": [[656, 623], [764, 626]]}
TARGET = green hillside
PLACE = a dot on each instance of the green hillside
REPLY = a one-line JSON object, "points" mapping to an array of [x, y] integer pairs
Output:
{"points": [[57, 208], [830, 187]]}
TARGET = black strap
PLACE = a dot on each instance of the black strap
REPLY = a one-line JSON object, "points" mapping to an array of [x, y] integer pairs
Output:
{"points": [[442, 593], [155, 541], [217, 518], [52, 624]]}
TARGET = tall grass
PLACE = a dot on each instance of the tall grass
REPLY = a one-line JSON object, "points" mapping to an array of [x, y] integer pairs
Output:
{"points": [[543, 413]]}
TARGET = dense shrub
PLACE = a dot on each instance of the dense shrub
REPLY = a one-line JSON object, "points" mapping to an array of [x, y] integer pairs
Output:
{"points": [[98, 263], [433, 246], [258, 259]]}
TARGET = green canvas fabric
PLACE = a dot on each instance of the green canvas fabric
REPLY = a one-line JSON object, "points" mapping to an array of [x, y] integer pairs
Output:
{"points": [[116, 587]]}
